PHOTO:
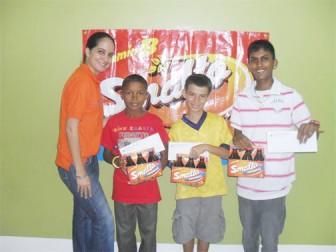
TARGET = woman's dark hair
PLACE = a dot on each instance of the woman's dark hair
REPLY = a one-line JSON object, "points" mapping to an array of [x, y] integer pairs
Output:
{"points": [[94, 40]]}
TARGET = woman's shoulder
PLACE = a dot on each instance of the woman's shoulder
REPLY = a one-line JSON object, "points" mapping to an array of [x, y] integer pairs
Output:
{"points": [[81, 76]]}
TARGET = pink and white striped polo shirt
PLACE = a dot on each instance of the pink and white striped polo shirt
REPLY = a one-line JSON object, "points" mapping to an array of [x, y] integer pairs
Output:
{"points": [[277, 109]]}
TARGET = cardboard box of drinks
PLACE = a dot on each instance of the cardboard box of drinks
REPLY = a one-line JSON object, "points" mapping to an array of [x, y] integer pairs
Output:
{"points": [[246, 163], [186, 169], [143, 159]]}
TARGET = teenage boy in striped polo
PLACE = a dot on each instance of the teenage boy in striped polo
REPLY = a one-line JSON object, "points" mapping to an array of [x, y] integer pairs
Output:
{"points": [[267, 106]]}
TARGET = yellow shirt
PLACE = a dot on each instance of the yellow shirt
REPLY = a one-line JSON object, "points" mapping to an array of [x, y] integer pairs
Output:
{"points": [[214, 131]]}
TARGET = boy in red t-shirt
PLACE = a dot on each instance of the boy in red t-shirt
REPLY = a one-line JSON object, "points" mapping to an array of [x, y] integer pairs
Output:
{"points": [[139, 202]]}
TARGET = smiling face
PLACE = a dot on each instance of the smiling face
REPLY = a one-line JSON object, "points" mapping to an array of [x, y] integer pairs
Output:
{"points": [[261, 65], [99, 58], [196, 97], [134, 94]]}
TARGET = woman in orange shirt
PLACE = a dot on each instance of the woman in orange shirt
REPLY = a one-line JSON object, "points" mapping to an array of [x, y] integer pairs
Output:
{"points": [[81, 125]]}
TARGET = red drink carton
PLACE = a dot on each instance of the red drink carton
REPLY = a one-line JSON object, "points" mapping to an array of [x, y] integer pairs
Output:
{"points": [[246, 163], [143, 163], [189, 171], [143, 166]]}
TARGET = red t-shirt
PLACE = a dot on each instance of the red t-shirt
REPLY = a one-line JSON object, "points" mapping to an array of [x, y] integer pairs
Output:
{"points": [[121, 131], [81, 99]]}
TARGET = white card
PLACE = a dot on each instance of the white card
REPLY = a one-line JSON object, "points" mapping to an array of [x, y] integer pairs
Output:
{"points": [[153, 141], [286, 141], [175, 148]]}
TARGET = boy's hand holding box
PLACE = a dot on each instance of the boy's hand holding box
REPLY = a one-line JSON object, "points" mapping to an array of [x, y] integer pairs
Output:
{"points": [[143, 163], [187, 170]]}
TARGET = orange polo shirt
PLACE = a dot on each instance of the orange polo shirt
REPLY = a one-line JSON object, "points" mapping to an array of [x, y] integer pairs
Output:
{"points": [[81, 99]]}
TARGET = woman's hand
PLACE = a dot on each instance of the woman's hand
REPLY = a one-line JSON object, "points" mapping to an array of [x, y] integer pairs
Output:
{"points": [[84, 186]]}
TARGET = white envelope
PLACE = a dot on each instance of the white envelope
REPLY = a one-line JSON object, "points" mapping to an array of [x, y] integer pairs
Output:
{"points": [[286, 141], [175, 148], [153, 141]]}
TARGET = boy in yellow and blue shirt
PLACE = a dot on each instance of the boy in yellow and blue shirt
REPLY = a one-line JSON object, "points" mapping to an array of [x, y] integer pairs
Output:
{"points": [[199, 212]]}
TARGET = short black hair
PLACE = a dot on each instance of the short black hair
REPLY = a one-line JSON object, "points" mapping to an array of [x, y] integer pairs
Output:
{"points": [[134, 78], [260, 44], [200, 80]]}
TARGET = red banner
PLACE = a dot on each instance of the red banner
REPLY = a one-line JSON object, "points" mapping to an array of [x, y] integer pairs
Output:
{"points": [[165, 58]]}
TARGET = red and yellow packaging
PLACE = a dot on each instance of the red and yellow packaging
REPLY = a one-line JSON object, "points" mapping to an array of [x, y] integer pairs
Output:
{"points": [[246, 163], [141, 172], [192, 176]]}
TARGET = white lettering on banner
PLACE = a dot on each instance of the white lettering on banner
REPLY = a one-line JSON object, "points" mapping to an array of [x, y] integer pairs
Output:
{"points": [[218, 72], [107, 88], [171, 90]]}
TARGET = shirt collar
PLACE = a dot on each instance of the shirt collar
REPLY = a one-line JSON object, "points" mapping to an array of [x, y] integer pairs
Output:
{"points": [[275, 89], [197, 125]]}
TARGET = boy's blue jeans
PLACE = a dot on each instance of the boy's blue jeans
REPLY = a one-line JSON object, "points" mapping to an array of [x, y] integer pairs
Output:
{"points": [[93, 226], [265, 218]]}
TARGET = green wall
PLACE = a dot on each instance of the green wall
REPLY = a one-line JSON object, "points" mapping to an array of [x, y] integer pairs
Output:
{"points": [[41, 46]]}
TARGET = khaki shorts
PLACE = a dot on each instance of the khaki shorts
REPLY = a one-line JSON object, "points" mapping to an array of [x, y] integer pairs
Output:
{"points": [[201, 218]]}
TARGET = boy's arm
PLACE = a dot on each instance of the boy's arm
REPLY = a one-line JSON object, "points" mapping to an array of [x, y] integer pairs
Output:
{"points": [[108, 155], [116, 161], [241, 141], [216, 150], [306, 130], [164, 156], [300, 114]]}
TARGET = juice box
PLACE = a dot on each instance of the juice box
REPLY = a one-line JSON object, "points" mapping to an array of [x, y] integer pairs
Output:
{"points": [[246, 163]]}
